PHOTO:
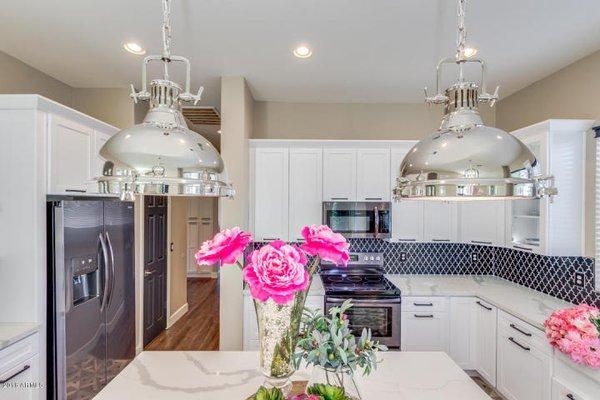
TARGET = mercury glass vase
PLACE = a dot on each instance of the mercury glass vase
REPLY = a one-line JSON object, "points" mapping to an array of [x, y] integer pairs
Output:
{"points": [[343, 377], [278, 327]]}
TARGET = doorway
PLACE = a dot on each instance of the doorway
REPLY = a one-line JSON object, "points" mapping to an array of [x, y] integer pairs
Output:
{"points": [[155, 266]]}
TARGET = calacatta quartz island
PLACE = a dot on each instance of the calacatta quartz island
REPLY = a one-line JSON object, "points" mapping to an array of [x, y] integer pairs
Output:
{"points": [[222, 375]]}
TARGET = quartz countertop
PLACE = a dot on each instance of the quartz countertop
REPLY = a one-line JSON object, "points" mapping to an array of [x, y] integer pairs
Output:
{"points": [[316, 288], [12, 332], [527, 304], [218, 375]]}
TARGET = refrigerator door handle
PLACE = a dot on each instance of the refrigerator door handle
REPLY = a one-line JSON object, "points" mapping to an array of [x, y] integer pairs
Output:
{"points": [[62, 302], [112, 268], [104, 303]]}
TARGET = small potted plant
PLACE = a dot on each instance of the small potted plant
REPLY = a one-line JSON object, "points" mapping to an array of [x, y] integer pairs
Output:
{"points": [[328, 344]]}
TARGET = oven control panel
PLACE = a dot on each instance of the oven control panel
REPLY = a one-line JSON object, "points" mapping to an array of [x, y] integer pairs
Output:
{"points": [[364, 259]]}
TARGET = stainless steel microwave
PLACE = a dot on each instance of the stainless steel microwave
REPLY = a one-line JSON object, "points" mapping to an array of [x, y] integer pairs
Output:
{"points": [[359, 219]]}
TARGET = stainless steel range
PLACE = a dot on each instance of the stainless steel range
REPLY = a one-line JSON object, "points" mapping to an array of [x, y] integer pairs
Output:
{"points": [[376, 300]]}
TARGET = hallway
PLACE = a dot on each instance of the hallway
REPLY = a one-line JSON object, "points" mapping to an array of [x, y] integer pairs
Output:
{"points": [[198, 329]]}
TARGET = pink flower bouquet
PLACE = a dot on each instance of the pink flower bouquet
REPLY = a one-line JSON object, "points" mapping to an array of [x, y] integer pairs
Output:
{"points": [[575, 331]]}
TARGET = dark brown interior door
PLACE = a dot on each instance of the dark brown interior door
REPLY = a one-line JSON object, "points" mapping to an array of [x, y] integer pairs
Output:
{"points": [[155, 266]]}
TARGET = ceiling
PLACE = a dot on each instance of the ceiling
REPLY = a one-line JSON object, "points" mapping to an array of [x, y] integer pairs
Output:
{"points": [[364, 50]]}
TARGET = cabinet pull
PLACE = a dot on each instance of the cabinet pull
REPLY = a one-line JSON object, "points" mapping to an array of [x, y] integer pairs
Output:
{"points": [[480, 242], [423, 316], [205, 223], [407, 240], [519, 344], [520, 331], [440, 240], [76, 190], [269, 239], [25, 368], [300, 239], [522, 248], [484, 306], [339, 198], [423, 304], [373, 198], [570, 396]]}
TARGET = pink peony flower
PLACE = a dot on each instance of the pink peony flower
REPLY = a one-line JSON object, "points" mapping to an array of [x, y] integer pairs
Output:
{"points": [[305, 396], [276, 271], [572, 331], [321, 241], [225, 247]]}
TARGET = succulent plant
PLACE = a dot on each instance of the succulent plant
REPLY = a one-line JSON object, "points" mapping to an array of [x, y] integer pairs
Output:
{"points": [[268, 394], [327, 392]]}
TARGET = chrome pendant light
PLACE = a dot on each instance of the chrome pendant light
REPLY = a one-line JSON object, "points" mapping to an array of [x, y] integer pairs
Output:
{"points": [[161, 155], [465, 159]]}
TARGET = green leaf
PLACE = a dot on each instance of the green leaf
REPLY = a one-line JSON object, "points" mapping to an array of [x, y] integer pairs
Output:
{"points": [[328, 392], [268, 394]]}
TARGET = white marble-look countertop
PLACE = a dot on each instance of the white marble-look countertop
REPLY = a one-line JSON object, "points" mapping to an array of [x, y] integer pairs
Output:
{"points": [[316, 288], [222, 375], [12, 332], [527, 304]]}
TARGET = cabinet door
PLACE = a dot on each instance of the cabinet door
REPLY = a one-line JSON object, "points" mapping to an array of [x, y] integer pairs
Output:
{"points": [[461, 329], [439, 221], [23, 374], [424, 331], [484, 340], [271, 194], [407, 215], [482, 222], [97, 161], [306, 190], [373, 175], [339, 174], [70, 161], [524, 372]]}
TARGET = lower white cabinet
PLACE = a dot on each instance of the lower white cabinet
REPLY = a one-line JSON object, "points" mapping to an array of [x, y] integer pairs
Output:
{"points": [[484, 340], [563, 391], [524, 371], [462, 323], [20, 370], [424, 331]]}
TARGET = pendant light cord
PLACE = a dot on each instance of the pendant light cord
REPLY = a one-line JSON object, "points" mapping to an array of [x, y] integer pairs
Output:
{"points": [[461, 38], [166, 33]]}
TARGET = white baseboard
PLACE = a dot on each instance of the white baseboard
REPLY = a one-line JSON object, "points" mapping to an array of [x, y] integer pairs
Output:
{"points": [[176, 315]]}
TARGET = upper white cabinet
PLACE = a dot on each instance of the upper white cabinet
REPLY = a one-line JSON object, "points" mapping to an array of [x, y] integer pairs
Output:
{"points": [[552, 226], [98, 162], [373, 175], [439, 221], [482, 222], [407, 215], [271, 184], [306, 189], [339, 174], [70, 156]]}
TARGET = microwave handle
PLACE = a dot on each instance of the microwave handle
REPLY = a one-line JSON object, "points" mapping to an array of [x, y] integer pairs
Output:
{"points": [[376, 215]]}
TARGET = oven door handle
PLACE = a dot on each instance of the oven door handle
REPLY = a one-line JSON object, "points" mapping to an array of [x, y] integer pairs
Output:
{"points": [[364, 301]]}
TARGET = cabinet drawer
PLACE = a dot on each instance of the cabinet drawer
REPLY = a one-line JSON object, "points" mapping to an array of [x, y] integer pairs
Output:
{"points": [[424, 304], [17, 353], [424, 331], [523, 332], [560, 391]]}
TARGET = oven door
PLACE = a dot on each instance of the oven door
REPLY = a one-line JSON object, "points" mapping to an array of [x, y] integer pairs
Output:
{"points": [[358, 219], [382, 316]]}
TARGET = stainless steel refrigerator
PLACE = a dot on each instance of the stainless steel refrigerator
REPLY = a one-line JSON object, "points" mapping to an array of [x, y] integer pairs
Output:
{"points": [[91, 294]]}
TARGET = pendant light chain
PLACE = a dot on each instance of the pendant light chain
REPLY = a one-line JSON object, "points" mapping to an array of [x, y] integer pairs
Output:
{"points": [[461, 40], [166, 30]]}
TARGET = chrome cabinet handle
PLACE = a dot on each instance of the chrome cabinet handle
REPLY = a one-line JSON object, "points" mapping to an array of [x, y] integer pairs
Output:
{"points": [[522, 248], [519, 344], [440, 240], [373, 198], [423, 304], [76, 190], [407, 240], [267, 239], [480, 242], [19, 372], [519, 330], [423, 316], [484, 306], [338, 198]]}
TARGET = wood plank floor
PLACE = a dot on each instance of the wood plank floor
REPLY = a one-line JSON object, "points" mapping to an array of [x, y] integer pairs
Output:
{"points": [[198, 329]]}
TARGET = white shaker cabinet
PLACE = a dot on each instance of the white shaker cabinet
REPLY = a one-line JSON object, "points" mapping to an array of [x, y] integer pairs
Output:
{"points": [[70, 156], [482, 222], [439, 221], [271, 183], [462, 323], [97, 161], [373, 175], [306, 189], [424, 324], [20, 365], [339, 174], [484, 340], [407, 215]]}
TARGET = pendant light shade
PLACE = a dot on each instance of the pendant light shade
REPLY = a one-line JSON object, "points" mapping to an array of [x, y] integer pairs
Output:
{"points": [[162, 155], [464, 159]]}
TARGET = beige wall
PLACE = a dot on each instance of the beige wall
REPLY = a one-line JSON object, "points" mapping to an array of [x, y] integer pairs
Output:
{"points": [[573, 92], [276, 120], [177, 274], [112, 106], [236, 126]]}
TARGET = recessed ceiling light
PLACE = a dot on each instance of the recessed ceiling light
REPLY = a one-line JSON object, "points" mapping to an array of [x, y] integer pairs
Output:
{"points": [[469, 52], [134, 48], [302, 51]]}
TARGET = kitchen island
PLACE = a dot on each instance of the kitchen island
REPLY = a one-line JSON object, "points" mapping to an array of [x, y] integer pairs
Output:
{"points": [[222, 375]]}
